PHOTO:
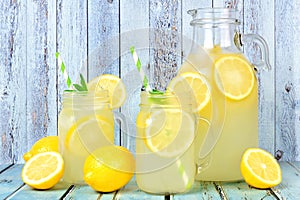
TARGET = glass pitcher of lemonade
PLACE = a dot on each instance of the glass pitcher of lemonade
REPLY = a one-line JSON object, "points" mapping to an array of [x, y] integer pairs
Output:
{"points": [[233, 118], [164, 144], [85, 123]]}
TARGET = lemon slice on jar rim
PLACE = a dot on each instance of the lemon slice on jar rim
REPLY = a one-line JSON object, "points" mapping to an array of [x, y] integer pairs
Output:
{"points": [[114, 85]]}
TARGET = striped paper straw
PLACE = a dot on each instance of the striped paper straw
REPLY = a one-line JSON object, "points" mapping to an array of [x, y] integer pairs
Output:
{"points": [[141, 71], [62, 67]]}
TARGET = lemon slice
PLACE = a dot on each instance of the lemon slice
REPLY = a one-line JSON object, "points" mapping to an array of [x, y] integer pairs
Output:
{"points": [[260, 169], [169, 133], [191, 82], [43, 170], [113, 84], [234, 76], [89, 133]]}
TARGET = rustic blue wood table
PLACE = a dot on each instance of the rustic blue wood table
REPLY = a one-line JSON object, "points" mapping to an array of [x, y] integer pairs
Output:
{"points": [[12, 187]]}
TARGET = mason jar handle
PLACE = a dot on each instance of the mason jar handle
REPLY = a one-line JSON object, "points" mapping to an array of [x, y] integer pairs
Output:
{"points": [[121, 120], [264, 63]]}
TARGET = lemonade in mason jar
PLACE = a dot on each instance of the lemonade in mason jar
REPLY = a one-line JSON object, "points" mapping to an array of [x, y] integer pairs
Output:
{"points": [[229, 123], [86, 122], [164, 144]]}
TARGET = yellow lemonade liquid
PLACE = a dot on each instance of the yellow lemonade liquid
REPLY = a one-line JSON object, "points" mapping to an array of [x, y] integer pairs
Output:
{"points": [[164, 146], [85, 123], [234, 119]]}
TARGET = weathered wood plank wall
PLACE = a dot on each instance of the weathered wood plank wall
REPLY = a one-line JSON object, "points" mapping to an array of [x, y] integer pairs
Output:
{"points": [[94, 37]]}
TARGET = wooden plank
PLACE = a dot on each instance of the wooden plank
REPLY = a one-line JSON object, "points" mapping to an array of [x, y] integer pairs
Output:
{"points": [[289, 187], [165, 45], [131, 192], [4, 167], [134, 32], [12, 81], [103, 37], [71, 41], [296, 164], [200, 190], [10, 181], [29, 193], [287, 78], [86, 192], [41, 70], [255, 15], [103, 41], [241, 190]]}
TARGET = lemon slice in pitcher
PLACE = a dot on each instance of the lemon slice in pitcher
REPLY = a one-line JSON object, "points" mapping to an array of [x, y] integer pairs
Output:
{"points": [[191, 82], [89, 133], [114, 85], [169, 132], [234, 76]]}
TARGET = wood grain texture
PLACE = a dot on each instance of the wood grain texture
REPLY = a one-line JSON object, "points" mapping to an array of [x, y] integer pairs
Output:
{"points": [[134, 29], [254, 21], [10, 181], [41, 70], [165, 48], [103, 37], [72, 41], [287, 78], [13, 138], [200, 190]]}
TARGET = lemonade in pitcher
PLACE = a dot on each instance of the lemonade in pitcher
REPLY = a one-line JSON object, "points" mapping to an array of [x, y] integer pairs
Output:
{"points": [[228, 124]]}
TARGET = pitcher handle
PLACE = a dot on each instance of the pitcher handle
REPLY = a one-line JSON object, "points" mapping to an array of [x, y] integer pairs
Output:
{"points": [[121, 120], [264, 63]]}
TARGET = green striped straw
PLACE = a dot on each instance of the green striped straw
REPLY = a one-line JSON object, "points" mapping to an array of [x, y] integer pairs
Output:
{"points": [[184, 175], [138, 64], [62, 67]]}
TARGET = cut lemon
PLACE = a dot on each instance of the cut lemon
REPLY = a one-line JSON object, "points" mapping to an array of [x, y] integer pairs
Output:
{"points": [[191, 82], [234, 76], [169, 133], [260, 169], [88, 133], [43, 170], [113, 84]]}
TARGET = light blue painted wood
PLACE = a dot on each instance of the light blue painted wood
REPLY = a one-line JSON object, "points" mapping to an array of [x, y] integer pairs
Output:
{"points": [[134, 31], [29, 193], [243, 191], [103, 37], [10, 181], [200, 190], [289, 187], [165, 44], [254, 21], [87, 193], [41, 70], [287, 78], [131, 192], [4, 166], [296, 164], [13, 135], [71, 41]]}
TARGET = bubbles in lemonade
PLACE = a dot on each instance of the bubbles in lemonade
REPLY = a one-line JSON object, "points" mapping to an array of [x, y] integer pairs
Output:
{"points": [[229, 123]]}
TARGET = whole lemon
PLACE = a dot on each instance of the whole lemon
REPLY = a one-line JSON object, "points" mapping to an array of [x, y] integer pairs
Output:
{"points": [[46, 144], [109, 168]]}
